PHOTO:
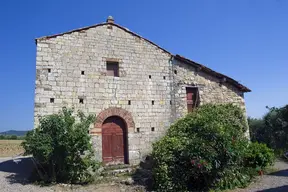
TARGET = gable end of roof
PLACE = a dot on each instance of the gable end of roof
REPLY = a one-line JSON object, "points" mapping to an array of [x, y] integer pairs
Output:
{"points": [[102, 24], [178, 57]]}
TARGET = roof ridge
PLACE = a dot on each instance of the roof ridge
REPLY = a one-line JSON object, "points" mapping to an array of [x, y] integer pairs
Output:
{"points": [[97, 25], [214, 73], [179, 57]]}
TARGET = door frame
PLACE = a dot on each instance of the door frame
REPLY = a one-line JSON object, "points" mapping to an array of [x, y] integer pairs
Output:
{"points": [[125, 140], [104, 114]]}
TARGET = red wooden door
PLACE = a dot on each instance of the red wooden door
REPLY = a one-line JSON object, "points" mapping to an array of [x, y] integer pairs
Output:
{"points": [[191, 94], [113, 137]]}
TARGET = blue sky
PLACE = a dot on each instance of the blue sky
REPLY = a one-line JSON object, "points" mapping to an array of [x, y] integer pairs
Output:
{"points": [[244, 39]]}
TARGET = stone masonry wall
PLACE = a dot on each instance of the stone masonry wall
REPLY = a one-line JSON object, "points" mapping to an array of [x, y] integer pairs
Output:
{"points": [[210, 89], [67, 55], [61, 59]]}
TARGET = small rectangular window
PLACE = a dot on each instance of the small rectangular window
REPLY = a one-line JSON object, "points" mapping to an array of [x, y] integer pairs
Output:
{"points": [[170, 102], [82, 73], [52, 100], [175, 72], [81, 100], [153, 102], [138, 130], [149, 76], [164, 77], [192, 96], [49, 70], [152, 128], [129, 102], [112, 69]]}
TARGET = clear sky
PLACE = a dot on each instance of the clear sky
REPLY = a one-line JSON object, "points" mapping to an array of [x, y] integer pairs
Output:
{"points": [[244, 39]]}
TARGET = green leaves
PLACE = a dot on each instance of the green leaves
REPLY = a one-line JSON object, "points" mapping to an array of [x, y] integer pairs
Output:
{"points": [[272, 129], [204, 150], [259, 156], [61, 144]]}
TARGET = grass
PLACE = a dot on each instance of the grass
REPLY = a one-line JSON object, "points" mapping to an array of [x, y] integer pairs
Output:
{"points": [[10, 148]]}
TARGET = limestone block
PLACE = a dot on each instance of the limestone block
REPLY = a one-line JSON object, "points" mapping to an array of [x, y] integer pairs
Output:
{"points": [[134, 155], [69, 54]]}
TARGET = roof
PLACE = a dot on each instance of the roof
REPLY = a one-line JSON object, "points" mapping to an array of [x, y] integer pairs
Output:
{"points": [[213, 73], [178, 57], [97, 25]]}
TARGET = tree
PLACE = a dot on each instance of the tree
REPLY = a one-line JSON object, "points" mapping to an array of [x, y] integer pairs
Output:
{"points": [[276, 128], [256, 128], [61, 145], [203, 150], [13, 137], [272, 129]]}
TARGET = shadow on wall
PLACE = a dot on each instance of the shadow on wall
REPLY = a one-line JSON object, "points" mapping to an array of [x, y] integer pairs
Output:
{"points": [[20, 170], [276, 189]]}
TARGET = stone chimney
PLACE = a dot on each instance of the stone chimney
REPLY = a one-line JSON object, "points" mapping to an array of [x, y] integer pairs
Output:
{"points": [[110, 19]]}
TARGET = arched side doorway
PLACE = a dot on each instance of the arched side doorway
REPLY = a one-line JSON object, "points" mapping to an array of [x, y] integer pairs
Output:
{"points": [[114, 141], [120, 119]]}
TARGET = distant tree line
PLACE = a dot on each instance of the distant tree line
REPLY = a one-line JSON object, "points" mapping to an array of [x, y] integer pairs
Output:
{"points": [[272, 129], [11, 137]]}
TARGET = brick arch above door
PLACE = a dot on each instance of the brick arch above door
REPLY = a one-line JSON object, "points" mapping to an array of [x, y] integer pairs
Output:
{"points": [[113, 111]]}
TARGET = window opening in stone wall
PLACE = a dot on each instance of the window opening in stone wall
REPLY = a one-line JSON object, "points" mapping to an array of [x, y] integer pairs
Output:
{"points": [[170, 102], [82, 73], [49, 70], [52, 100], [175, 72], [164, 77], [81, 100], [149, 76], [129, 102], [112, 68], [192, 95], [152, 102], [152, 128], [138, 130]]}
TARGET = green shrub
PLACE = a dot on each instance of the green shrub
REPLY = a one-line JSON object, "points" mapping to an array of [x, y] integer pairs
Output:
{"points": [[10, 137], [259, 156], [13, 137], [204, 150], [272, 129], [61, 145]]}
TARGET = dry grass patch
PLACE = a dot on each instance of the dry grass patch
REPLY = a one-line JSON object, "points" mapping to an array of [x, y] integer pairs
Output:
{"points": [[10, 148]]}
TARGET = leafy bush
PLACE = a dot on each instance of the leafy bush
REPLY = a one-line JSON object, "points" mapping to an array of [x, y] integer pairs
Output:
{"points": [[10, 137], [204, 150], [259, 156], [256, 128], [13, 137], [272, 129], [62, 147]]}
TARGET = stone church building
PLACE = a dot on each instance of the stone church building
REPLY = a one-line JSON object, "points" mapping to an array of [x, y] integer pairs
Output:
{"points": [[135, 88]]}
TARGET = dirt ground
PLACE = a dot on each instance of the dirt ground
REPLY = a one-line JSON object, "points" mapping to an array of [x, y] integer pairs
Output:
{"points": [[9, 148], [112, 187], [14, 174]]}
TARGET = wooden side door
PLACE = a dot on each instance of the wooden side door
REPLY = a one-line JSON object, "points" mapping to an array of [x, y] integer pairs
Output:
{"points": [[191, 96]]}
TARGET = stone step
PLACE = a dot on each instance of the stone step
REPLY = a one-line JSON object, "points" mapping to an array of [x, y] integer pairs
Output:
{"points": [[115, 167], [115, 172]]}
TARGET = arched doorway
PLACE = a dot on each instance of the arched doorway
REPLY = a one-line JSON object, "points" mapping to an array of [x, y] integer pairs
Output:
{"points": [[114, 141]]}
